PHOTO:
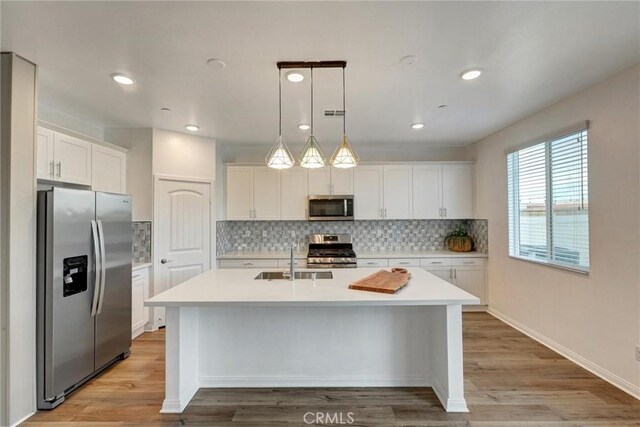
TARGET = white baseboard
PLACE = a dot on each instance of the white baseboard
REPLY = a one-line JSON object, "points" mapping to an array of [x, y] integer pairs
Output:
{"points": [[176, 406], [23, 419], [595, 369], [307, 381], [450, 405]]}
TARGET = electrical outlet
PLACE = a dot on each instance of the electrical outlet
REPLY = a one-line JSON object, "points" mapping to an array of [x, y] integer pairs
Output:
{"points": [[264, 233], [638, 353]]}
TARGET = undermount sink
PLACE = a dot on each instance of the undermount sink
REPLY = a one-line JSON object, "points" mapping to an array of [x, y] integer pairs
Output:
{"points": [[298, 275]]}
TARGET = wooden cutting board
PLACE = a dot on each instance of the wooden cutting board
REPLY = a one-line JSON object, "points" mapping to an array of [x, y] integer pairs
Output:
{"points": [[383, 281]]}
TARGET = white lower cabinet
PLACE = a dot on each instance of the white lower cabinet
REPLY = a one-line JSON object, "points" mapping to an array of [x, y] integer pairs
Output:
{"points": [[139, 292], [466, 273], [248, 263], [371, 262]]}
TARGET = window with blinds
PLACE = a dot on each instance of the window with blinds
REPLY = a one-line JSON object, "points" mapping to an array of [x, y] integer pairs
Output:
{"points": [[548, 200]]}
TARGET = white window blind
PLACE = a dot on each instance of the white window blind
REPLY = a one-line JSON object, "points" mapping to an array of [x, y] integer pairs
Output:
{"points": [[548, 201]]}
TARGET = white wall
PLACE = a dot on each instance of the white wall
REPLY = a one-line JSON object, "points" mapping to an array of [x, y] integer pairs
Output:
{"points": [[139, 141], [17, 237], [183, 155], [593, 319], [62, 119]]}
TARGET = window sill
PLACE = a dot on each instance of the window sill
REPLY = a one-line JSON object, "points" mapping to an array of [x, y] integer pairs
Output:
{"points": [[546, 264]]}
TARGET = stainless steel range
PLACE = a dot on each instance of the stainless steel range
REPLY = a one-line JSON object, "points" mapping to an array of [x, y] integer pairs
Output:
{"points": [[331, 251]]}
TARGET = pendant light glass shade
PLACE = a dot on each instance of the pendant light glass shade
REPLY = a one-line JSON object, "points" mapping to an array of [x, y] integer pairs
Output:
{"points": [[280, 157], [312, 156], [344, 156]]}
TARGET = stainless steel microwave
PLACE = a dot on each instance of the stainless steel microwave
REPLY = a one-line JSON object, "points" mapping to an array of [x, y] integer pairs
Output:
{"points": [[330, 208]]}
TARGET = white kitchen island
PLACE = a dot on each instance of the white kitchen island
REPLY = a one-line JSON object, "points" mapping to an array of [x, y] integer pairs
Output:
{"points": [[226, 329]]}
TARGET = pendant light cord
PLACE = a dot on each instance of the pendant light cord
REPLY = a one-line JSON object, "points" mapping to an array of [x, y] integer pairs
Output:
{"points": [[311, 100], [344, 109], [280, 101]]}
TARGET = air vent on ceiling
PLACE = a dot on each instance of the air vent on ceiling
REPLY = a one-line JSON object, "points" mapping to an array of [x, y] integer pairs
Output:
{"points": [[333, 113]]}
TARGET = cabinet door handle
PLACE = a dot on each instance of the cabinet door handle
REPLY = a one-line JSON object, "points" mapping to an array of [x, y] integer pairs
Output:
{"points": [[52, 167], [135, 275], [59, 169], [385, 212], [455, 276], [451, 273], [445, 212]]}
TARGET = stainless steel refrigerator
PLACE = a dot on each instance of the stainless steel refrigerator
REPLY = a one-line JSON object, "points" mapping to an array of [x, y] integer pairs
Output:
{"points": [[84, 288]]}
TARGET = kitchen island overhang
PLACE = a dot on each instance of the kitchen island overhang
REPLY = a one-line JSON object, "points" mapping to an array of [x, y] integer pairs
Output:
{"points": [[226, 329]]}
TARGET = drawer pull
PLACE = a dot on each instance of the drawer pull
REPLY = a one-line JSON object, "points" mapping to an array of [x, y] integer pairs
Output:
{"points": [[403, 262], [467, 262], [371, 263], [435, 262], [247, 263], [135, 275]]}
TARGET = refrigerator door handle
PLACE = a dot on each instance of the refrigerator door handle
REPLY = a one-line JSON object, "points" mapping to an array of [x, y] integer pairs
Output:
{"points": [[102, 266], [98, 264]]}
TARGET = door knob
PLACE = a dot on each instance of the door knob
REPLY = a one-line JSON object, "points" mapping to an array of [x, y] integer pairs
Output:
{"points": [[164, 261]]}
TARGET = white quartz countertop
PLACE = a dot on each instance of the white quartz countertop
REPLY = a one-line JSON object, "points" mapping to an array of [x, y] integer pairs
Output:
{"points": [[237, 287], [360, 254], [139, 265]]}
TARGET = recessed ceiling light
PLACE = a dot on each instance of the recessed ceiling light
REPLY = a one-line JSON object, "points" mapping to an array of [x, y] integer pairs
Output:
{"points": [[192, 128], [417, 125], [122, 79], [294, 76], [303, 127], [165, 110], [471, 74]]}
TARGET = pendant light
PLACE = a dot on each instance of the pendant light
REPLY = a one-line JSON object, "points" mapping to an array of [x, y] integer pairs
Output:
{"points": [[312, 156], [344, 156], [279, 156]]}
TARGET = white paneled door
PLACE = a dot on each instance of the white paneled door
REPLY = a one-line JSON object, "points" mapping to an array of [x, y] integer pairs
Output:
{"points": [[182, 232]]}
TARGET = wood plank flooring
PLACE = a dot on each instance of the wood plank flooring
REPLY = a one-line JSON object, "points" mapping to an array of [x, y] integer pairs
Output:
{"points": [[511, 380]]}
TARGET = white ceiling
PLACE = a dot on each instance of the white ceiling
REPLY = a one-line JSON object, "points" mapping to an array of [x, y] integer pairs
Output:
{"points": [[533, 53]]}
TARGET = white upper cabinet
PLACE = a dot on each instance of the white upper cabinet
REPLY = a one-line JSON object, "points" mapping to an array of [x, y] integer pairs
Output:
{"points": [[329, 180], [457, 191], [319, 181], [341, 181], [239, 193], [72, 157], [45, 162], [65, 158], [109, 170], [253, 193], [294, 193], [398, 192], [427, 191], [266, 193], [368, 192]]}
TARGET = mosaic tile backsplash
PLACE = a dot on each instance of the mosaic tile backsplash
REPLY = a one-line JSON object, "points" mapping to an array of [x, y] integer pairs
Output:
{"points": [[141, 241], [368, 236]]}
